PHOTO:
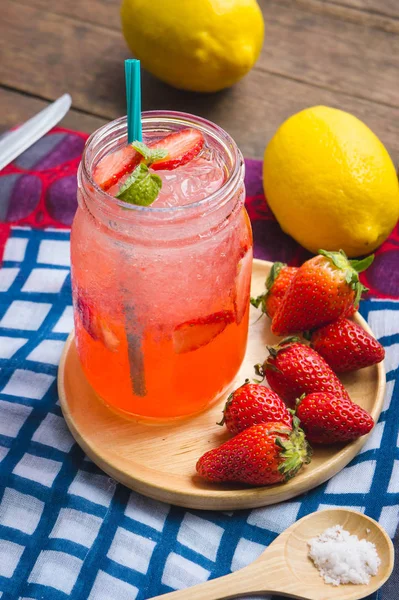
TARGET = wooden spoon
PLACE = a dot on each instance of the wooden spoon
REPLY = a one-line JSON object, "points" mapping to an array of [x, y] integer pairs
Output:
{"points": [[284, 567]]}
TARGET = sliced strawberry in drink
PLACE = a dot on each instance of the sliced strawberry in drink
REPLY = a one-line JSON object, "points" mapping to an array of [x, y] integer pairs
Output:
{"points": [[87, 318], [182, 147], [108, 337], [243, 285], [96, 326], [113, 166], [194, 334]]}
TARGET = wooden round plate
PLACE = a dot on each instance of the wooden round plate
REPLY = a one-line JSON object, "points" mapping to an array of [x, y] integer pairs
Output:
{"points": [[159, 461]]}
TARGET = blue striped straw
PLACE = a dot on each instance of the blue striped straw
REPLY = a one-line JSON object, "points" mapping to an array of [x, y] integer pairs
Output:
{"points": [[133, 100]]}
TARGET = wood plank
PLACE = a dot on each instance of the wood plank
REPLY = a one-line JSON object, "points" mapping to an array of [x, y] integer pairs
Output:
{"points": [[92, 73], [327, 51], [106, 12], [347, 11], [57, 54], [308, 46], [17, 108], [99, 12], [246, 111], [382, 7]]}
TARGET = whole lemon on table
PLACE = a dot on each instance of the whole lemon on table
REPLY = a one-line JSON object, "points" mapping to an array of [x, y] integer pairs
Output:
{"points": [[330, 182], [197, 45]]}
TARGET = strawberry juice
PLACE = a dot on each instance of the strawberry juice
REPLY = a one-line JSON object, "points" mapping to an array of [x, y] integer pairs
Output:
{"points": [[161, 290]]}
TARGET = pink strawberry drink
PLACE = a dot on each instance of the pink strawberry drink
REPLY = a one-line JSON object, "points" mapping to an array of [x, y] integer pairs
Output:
{"points": [[161, 284]]}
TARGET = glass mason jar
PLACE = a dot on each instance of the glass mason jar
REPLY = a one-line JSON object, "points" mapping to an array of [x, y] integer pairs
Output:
{"points": [[161, 295]]}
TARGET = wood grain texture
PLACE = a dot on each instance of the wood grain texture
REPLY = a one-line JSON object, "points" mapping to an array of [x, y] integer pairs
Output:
{"points": [[18, 108], [379, 7], [306, 45], [99, 12], [159, 461], [315, 59], [378, 13], [347, 11], [328, 51], [284, 567], [58, 54]]}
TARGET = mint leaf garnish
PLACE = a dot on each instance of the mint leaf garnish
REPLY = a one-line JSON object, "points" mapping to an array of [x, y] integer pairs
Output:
{"points": [[150, 155], [141, 187]]}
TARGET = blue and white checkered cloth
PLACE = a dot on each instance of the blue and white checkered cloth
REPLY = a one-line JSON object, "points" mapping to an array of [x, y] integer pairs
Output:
{"points": [[69, 531]]}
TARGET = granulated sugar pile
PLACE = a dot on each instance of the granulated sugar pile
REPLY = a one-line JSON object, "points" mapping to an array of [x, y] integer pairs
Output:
{"points": [[342, 558]]}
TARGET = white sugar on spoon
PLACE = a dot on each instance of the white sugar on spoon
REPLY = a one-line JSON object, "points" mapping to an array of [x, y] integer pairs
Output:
{"points": [[285, 567], [342, 558]]}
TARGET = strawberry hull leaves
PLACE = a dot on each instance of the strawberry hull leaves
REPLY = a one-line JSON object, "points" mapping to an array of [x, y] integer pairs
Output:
{"points": [[351, 268], [264, 454]]}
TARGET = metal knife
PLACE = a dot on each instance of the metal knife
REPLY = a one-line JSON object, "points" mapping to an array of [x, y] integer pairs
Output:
{"points": [[16, 142]]}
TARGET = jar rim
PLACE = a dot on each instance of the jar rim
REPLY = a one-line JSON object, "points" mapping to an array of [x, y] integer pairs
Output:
{"points": [[235, 171]]}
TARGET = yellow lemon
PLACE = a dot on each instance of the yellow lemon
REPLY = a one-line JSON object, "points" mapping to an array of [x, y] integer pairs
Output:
{"points": [[330, 182], [197, 45]]}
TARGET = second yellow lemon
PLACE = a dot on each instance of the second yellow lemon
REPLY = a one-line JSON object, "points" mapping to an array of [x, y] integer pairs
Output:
{"points": [[198, 45], [330, 182]]}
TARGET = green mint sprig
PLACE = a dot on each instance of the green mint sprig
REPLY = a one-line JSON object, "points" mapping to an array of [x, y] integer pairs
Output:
{"points": [[142, 186]]}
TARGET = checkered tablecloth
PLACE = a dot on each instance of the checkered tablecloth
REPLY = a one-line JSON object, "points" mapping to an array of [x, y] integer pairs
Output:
{"points": [[69, 531]]}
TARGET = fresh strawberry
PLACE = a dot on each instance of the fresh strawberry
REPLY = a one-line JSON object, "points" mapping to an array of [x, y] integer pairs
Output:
{"points": [[323, 289], [293, 369], [113, 166], [264, 454], [276, 284], [345, 346], [182, 147], [243, 285], [252, 404], [196, 333], [327, 419], [96, 326]]}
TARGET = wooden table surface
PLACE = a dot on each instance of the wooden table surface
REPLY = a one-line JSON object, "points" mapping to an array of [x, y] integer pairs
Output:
{"points": [[342, 53]]}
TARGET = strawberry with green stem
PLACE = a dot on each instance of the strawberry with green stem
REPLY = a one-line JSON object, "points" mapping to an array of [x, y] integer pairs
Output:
{"points": [[323, 289], [264, 454], [328, 419], [276, 284], [252, 404], [293, 369]]}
